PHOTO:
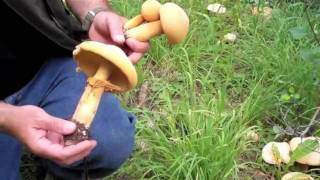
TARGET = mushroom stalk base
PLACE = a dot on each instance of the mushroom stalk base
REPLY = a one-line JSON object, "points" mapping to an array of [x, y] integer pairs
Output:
{"points": [[88, 105], [81, 134], [90, 99]]}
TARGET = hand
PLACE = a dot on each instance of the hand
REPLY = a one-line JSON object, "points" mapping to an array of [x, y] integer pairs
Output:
{"points": [[43, 134], [107, 27]]}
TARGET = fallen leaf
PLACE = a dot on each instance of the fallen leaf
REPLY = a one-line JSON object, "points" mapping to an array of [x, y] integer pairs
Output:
{"points": [[266, 11]]}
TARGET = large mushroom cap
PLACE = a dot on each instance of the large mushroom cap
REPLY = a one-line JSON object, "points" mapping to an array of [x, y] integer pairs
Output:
{"points": [[311, 159], [174, 22], [90, 54], [296, 176], [271, 157], [150, 10]]}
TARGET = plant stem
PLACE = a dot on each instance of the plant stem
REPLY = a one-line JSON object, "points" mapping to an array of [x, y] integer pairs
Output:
{"points": [[306, 10]]}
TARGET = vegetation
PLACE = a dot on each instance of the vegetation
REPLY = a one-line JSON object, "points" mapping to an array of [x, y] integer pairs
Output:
{"points": [[198, 100]]}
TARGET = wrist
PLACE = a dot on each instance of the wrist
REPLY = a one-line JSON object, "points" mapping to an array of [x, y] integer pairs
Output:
{"points": [[81, 8], [5, 111]]}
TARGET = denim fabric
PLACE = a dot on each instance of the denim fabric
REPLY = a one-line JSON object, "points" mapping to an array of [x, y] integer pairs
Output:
{"points": [[57, 88]]}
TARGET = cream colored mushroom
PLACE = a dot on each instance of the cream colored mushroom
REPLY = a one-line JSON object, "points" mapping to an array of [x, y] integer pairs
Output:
{"points": [[311, 159], [173, 22], [252, 136], [296, 176], [230, 37], [276, 153]]}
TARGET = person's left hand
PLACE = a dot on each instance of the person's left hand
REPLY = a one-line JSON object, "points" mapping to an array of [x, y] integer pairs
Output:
{"points": [[107, 27]]}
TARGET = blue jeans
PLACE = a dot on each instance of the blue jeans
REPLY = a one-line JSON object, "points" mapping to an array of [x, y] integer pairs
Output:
{"points": [[57, 88]]}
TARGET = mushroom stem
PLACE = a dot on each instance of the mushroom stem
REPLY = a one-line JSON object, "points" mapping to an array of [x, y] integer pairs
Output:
{"points": [[90, 99], [145, 31], [103, 72], [134, 22]]}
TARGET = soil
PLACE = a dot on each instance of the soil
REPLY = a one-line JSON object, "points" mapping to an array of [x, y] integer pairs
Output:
{"points": [[81, 134]]}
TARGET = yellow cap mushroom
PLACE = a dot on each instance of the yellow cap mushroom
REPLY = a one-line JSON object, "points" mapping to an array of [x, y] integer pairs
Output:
{"points": [[174, 23], [311, 159], [296, 176], [276, 153], [108, 69], [150, 10]]}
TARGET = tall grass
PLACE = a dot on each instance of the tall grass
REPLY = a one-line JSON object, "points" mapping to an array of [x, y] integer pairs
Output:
{"points": [[205, 94]]}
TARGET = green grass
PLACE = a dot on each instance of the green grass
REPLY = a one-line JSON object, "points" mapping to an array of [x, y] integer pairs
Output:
{"points": [[204, 95]]}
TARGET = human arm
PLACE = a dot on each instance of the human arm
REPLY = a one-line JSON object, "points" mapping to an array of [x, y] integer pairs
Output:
{"points": [[42, 133], [107, 27]]}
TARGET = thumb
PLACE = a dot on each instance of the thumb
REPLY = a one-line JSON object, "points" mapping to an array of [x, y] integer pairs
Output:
{"points": [[115, 26], [57, 125]]}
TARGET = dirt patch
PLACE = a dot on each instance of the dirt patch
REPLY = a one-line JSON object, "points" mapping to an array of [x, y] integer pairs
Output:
{"points": [[254, 174], [80, 134]]}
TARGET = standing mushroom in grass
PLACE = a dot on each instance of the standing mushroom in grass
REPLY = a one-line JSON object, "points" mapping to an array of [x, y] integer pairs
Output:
{"points": [[296, 176], [156, 19], [311, 159], [276, 153], [108, 69]]}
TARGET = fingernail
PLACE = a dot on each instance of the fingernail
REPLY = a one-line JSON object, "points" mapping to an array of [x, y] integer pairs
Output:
{"points": [[69, 127], [119, 39]]}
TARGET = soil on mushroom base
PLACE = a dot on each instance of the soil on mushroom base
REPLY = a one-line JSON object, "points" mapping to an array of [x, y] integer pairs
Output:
{"points": [[81, 134]]}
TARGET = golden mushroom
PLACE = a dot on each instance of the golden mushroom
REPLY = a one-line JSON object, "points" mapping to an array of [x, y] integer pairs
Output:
{"points": [[173, 22], [108, 69], [150, 11]]}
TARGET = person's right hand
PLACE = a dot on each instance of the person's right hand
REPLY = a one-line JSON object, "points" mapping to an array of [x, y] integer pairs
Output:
{"points": [[107, 27], [43, 134]]}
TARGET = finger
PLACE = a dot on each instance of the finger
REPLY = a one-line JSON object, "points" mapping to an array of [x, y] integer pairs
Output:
{"points": [[137, 46], [77, 157], [115, 26], [56, 125], [55, 137], [59, 152], [135, 57]]}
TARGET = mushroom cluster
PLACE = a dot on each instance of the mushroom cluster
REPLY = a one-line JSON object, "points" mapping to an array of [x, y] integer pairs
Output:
{"points": [[273, 151], [279, 152], [156, 19]]}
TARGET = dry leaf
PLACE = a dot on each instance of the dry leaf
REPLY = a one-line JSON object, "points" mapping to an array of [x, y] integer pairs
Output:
{"points": [[267, 11]]}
